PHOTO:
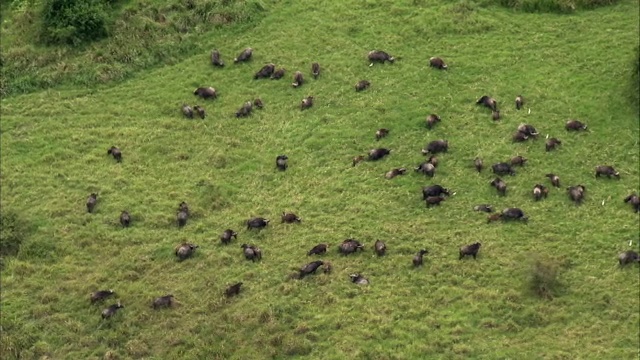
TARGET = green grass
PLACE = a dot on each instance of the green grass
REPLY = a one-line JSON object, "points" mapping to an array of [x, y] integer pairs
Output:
{"points": [[54, 146]]}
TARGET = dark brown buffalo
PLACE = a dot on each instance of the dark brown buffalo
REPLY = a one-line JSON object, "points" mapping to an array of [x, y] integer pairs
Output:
{"points": [[434, 190], [576, 193], [245, 55], [91, 202], [227, 235], [258, 103], [628, 257], [125, 219], [438, 63], [245, 110], [100, 295], [432, 120], [349, 246], [358, 279], [488, 102], [519, 137], [265, 72], [206, 92], [495, 115], [540, 191], [500, 185], [380, 248], [310, 268], [233, 290], [502, 168], [290, 218], [200, 111], [358, 159], [306, 103], [555, 179], [278, 74], [426, 168], [318, 250], [115, 152], [519, 102], [257, 223], [298, 79], [418, 259], [552, 143], [575, 125], [518, 160], [471, 250], [378, 153], [281, 162], [185, 250], [215, 58], [436, 146], [315, 70], [362, 85], [607, 171], [187, 111], [163, 301], [483, 208], [478, 163], [111, 310], [381, 133], [394, 172], [528, 130], [634, 200], [513, 214], [379, 56], [251, 252]]}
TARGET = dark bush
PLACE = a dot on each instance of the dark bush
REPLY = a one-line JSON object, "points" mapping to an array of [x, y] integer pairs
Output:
{"points": [[73, 21], [544, 278], [12, 234], [635, 78], [554, 6]]}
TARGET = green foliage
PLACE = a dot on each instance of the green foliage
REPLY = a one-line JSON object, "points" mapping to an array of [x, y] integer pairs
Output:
{"points": [[12, 233], [54, 155], [554, 6], [635, 79], [141, 35], [73, 21], [544, 278]]}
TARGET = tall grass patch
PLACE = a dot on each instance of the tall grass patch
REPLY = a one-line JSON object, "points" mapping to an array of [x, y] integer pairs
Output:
{"points": [[554, 6]]}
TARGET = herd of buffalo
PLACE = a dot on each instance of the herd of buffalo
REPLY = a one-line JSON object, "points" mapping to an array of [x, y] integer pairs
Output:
{"points": [[432, 195]]}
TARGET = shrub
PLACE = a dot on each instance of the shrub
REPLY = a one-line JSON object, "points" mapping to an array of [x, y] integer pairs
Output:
{"points": [[73, 21], [544, 278], [12, 234], [635, 78]]}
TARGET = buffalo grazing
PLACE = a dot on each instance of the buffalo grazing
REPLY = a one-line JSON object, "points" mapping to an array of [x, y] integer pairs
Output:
{"points": [[513, 214], [265, 72], [215, 58], [227, 235], [258, 103], [111, 310], [125, 219], [436, 146], [251, 252], [518, 160], [634, 200], [185, 250], [540, 191], [298, 79], [381, 133], [278, 74], [100, 295], [318, 250], [163, 301], [575, 125], [380, 248], [418, 258], [290, 218], [502, 168], [306, 103], [200, 111], [500, 186], [528, 130], [245, 110], [315, 70], [555, 179], [576, 193], [432, 120], [379, 56], [362, 85], [483, 208], [358, 279], [426, 168], [438, 63], [628, 257], [349, 246], [326, 267], [244, 56], [552, 143], [187, 111], [309, 268], [471, 250], [182, 217], [281, 162], [478, 164], [206, 92], [488, 101], [357, 159], [257, 223], [394, 172], [115, 152], [233, 290], [433, 190], [519, 102], [378, 153], [519, 136], [91, 202], [607, 171]]}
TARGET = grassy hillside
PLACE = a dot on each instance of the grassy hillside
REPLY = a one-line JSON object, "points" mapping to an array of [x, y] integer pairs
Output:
{"points": [[54, 146]]}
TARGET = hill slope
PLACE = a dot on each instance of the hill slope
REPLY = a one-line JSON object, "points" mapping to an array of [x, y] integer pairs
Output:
{"points": [[54, 146]]}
